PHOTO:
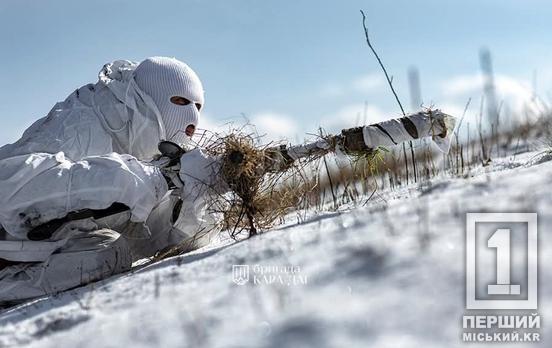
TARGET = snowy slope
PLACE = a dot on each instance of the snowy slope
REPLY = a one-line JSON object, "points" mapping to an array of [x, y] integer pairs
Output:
{"points": [[389, 274]]}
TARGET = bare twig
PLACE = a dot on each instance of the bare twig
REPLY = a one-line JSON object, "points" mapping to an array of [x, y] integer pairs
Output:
{"points": [[389, 80], [390, 83]]}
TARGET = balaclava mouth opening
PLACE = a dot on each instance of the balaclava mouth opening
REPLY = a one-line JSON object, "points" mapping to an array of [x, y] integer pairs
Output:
{"points": [[164, 78]]}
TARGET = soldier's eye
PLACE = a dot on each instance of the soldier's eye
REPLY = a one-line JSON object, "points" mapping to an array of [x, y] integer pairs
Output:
{"points": [[179, 100]]}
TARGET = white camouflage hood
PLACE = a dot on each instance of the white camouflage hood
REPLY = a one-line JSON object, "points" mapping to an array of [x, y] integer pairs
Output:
{"points": [[138, 127]]}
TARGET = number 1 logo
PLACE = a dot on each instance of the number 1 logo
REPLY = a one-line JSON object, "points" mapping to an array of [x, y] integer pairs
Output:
{"points": [[501, 241]]}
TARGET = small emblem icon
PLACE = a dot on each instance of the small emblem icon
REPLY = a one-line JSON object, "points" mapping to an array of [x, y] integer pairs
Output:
{"points": [[240, 274]]}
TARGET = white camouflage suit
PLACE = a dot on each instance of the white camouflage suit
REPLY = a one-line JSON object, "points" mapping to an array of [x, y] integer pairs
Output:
{"points": [[90, 151]]}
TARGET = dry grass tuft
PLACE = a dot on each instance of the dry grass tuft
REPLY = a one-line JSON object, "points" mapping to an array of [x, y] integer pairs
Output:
{"points": [[259, 197]]}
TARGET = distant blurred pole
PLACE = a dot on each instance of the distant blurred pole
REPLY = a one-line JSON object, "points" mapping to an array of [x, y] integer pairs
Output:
{"points": [[488, 83], [415, 102], [415, 88], [490, 94]]}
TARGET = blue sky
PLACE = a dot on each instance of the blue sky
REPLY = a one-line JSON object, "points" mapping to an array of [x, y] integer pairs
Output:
{"points": [[289, 66]]}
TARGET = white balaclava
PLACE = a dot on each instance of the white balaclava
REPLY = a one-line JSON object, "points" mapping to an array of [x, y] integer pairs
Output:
{"points": [[163, 78]]}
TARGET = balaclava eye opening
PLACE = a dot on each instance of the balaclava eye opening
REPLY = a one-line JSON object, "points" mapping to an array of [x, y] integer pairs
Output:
{"points": [[163, 78]]}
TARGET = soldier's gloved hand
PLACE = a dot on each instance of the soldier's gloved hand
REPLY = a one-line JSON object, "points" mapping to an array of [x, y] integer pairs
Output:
{"points": [[200, 174]]}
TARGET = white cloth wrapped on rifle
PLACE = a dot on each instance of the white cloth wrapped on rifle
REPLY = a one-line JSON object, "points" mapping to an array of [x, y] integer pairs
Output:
{"points": [[434, 124]]}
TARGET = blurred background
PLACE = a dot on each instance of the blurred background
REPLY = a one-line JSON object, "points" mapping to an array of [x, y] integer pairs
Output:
{"points": [[286, 66]]}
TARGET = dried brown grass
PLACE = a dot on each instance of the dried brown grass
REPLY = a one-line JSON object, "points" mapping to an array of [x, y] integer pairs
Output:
{"points": [[258, 198]]}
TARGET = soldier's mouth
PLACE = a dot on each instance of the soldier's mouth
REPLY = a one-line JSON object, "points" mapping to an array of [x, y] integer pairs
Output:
{"points": [[190, 130]]}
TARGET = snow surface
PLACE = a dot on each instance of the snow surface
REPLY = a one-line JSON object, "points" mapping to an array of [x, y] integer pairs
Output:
{"points": [[388, 274]]}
